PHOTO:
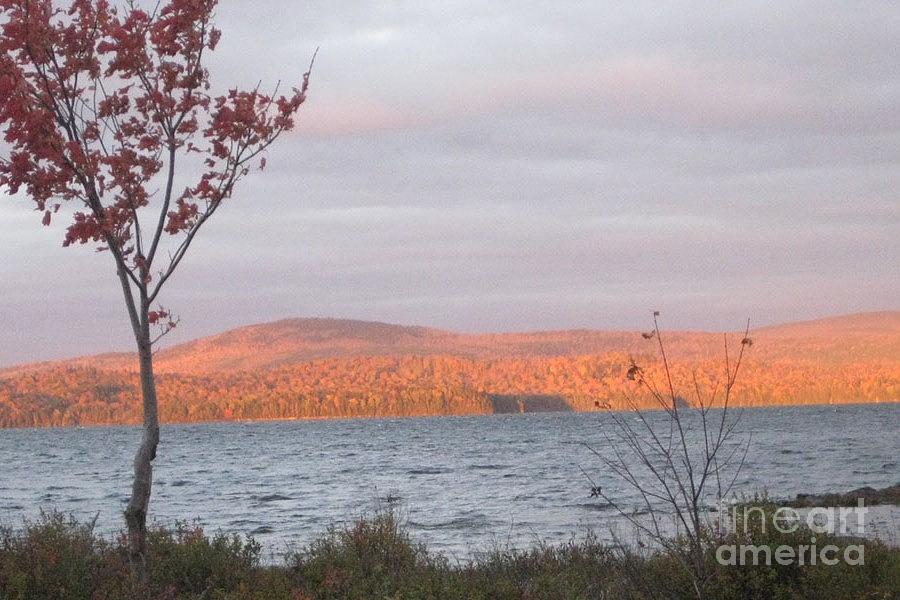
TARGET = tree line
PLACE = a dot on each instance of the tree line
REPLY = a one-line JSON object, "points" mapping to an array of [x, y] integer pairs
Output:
{"points": [[413, 386]]}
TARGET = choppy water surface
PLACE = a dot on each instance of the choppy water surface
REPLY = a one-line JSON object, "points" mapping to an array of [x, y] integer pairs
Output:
{"points": [[461, 483]]}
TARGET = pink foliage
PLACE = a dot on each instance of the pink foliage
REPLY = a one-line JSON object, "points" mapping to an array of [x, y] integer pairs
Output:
{"points": [[96, 103]]}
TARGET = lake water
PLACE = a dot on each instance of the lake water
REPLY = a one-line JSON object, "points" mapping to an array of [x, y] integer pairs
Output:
{"points": [[462, 484]]}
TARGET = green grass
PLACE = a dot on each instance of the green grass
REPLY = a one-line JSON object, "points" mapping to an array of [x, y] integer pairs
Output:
{"points": [[59, 558]]}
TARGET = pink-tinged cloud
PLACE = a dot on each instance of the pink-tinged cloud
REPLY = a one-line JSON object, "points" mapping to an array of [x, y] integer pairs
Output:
{"points": [[331, 115], [655, 88]]}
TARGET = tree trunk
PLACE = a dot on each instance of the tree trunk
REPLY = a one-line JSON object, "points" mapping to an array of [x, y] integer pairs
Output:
{"points": [[136, 512]]}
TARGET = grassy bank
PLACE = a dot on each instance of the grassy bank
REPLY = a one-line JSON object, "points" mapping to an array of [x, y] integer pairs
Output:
{"points": [[57, 558]]}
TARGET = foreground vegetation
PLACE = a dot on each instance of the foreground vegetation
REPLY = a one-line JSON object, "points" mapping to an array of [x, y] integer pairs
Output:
{"points": [[58, 558]]}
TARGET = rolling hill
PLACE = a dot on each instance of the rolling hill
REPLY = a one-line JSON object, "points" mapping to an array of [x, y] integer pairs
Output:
{"points": [[318, 367]]}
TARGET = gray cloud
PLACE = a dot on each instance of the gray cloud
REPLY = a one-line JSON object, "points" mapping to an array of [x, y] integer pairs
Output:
{"points": [[497, 166]]}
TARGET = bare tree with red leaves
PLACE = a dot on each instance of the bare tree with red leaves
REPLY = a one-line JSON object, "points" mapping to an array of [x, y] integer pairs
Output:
{"points": [[98, 105]]}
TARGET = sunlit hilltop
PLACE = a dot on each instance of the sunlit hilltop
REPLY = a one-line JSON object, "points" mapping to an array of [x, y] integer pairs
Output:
{"points": [[313, 368]]}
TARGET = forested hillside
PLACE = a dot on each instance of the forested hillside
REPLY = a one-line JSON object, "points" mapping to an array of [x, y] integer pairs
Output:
{"points": [[318, 368]]}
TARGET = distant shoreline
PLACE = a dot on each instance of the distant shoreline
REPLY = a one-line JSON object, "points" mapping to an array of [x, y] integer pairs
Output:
{"points": [[136, 425]]}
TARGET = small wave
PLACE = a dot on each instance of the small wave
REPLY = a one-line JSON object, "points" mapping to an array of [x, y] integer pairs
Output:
{"points": [[487, 467], [593, 506], [428, 471], [340, 445], [180, 483], [242, 522], [272, 498], [262, 529], [458, 523], [390, 498]]}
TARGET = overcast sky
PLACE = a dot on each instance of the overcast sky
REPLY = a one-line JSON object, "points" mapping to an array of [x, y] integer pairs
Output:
{"points": [[489, 166]]}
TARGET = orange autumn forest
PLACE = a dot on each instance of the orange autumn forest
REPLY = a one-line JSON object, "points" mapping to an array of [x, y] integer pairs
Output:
{"points": [[321, 368]]}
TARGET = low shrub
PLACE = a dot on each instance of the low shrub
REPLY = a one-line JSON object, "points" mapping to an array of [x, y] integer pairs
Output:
{"points": [[56, 557]]}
